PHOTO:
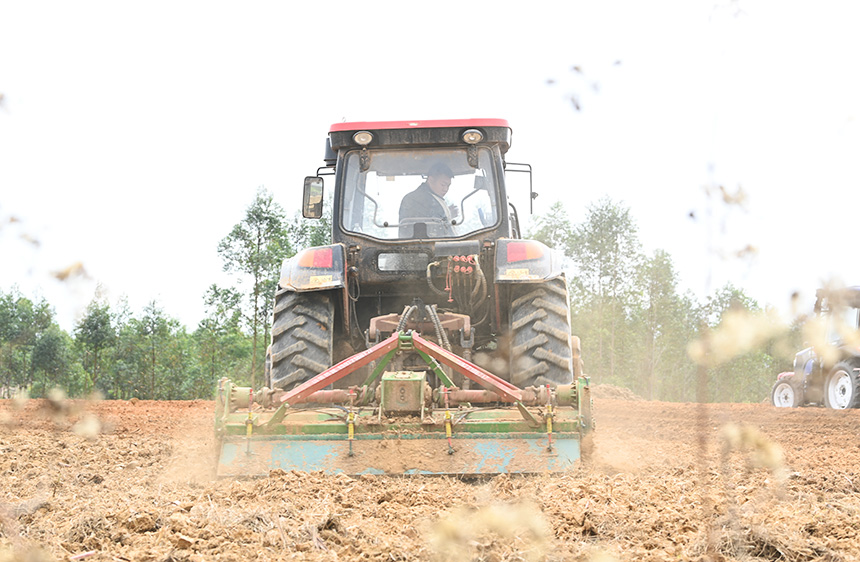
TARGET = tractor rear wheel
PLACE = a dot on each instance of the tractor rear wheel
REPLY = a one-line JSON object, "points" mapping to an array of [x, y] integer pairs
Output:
{"points": [[540, 335], [302, 336], [842, 388], [786, 393]]}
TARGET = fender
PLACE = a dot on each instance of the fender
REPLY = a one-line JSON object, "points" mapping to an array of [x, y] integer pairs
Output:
{"points": [[805, 363], [315, 269], [526, 261]]}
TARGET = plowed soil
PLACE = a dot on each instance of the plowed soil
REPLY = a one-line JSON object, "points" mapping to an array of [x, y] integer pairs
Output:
{"points": [[128, 481]]}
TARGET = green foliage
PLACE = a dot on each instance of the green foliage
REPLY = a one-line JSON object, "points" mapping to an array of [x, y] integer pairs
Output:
{"points": [[254, 249], [553, 229], [725, 299], [738, 375], [158, 346], [54, 364], [94, 335], [22, 323], [605, 253], [307, 233], [119, 354], [222, 348], [663, 323], [634, 325]]}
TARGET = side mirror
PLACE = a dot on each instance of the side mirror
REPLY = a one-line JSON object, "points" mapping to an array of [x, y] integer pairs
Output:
{"points": [[312, 199]]}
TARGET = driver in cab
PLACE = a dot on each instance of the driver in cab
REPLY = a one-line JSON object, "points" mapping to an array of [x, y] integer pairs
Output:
{"points": [[427, 201]]}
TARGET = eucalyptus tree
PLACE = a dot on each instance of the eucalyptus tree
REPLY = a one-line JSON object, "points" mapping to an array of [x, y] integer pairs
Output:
{"points": [[221, 345], [155, 333], [94, 336], [667, 323], [606, 256], [119, 382], [553, 229], [22, 321], [305, 233], [53, 364], [254, 249]]}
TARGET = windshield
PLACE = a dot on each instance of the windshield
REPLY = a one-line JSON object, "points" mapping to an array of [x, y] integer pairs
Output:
{"points": [[407, 194], [841, 320]]}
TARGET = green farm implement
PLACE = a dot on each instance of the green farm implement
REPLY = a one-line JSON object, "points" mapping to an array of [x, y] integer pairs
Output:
{"points": [[405, 427]]}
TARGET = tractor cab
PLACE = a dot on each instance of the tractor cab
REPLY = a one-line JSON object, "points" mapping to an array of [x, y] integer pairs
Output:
{"points": [[421, 217], [406, 181], [838, 308]]}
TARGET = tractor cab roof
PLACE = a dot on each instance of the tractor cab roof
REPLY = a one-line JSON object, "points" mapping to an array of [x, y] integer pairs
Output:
{"points": [[426, 124], [427, 133], [843, 297]]}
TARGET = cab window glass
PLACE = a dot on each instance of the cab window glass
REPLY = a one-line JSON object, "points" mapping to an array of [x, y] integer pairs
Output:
{"points": [[374, 198]]}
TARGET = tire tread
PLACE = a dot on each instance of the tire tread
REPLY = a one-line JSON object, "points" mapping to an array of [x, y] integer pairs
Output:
{"points": [[540, 331], [302, 337]]}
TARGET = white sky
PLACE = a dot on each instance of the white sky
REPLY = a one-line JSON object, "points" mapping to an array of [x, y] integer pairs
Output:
{"points": [[134, 135]]}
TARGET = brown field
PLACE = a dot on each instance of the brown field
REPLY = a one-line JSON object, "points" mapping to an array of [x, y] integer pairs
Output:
{"points": [[123, 481]]}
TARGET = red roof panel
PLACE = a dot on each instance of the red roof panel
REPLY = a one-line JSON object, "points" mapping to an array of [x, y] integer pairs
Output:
{"points": [[427, 124]]}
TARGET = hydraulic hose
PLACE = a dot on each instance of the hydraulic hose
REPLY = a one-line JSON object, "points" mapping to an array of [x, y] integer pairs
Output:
{"points": [[404, 318], [440, 333], [479, 292], [433, 288]]}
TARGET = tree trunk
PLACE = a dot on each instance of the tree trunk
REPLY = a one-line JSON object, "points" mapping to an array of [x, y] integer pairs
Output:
{"points": [[152, 370], [254, 341]]}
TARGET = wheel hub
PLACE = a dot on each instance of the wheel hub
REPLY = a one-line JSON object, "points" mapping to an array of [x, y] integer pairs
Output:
{"points": [[785, 396], [840, 391]]}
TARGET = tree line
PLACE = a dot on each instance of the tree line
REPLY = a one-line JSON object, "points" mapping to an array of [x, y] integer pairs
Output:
{"points": [[639, 331], [150, 354], [636, 328]]}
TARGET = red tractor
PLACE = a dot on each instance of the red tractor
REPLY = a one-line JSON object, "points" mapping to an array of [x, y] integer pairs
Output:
{"points": [[408, 253], [429, 337]]}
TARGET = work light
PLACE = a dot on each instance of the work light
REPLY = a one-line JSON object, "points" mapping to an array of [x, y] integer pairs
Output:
{"points": [[362, 138], [473, 136]]}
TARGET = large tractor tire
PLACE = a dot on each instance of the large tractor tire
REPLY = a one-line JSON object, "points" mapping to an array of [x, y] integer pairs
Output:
{"points": [[842, 388], [302, 336], [786, 393], [540, 335]]}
